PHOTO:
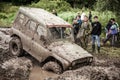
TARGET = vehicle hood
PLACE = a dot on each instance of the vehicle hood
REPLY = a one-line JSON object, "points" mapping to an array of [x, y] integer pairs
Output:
{"points": [[68, 50]]}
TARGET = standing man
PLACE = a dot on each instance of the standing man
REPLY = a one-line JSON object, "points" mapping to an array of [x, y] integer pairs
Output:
{"points": [[90, 16], [96, 32], [84, 32], [77, 23]]}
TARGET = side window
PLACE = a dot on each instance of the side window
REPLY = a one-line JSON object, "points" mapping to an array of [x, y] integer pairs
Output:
{"points": [[41, 30], [19, 20], [28, 24], [55, 32], [21, 16], [31, 25]]}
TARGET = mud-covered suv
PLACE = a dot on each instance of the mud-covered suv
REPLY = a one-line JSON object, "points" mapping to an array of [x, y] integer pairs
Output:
{"points": [[42, 35]]}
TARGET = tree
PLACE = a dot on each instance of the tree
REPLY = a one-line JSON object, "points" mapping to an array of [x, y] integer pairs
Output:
{"points": [[81, 3], [59, 5], [112, 5], [19, 2]]}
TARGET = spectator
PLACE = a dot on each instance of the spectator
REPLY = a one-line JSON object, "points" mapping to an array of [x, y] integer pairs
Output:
{"points": [[77, 23], [84, 32], [112, 32], [96, 32], [107, 28], [90, 16], [117, 27], [118, 31]]}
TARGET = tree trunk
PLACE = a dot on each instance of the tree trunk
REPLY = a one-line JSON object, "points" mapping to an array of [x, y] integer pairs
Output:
{"points": [[74, 3]]}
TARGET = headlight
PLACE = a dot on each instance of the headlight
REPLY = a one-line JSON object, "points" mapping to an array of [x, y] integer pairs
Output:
{"points": [[91, 60]]}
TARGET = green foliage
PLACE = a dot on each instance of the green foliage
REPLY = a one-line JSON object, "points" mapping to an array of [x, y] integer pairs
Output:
{"points": [[6, 19], [81, 3], [7, 14], [103, 16], [8, 10], [59, 5], [20, 2], [112, 5], [67, 16]]}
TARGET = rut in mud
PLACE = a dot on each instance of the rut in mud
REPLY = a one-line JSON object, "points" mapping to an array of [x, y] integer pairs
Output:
{"points": [[14, 68], [105, 67], [11, 67]]}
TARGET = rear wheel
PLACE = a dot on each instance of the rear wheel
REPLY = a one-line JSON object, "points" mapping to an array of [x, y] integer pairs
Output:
{"points": [[53, 66], [15, 46]]}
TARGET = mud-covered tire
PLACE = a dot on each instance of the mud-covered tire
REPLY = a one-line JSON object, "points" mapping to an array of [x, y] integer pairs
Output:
{"points": [[15, 46], [53, 66]]}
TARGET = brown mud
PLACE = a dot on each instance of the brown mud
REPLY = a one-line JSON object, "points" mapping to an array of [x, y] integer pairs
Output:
{"points": [[103, 68], [37, 73]]}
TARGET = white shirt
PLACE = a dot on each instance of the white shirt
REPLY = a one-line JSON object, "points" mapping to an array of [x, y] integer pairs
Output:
{"points": [[82, 16]]}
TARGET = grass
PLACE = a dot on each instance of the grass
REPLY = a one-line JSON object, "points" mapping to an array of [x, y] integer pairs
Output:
{"points": [[106, 51]]}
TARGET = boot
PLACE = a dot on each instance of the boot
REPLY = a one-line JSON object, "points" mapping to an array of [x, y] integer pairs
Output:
{"points": [[98, 49], [93, 48]]}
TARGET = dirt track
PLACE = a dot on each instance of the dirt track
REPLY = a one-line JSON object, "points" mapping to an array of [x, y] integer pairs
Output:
{"points": [[105, 67]]}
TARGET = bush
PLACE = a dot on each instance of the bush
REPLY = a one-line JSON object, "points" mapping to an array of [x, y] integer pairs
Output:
{"points": [[103, 16], [6, 19], [49, 5], [7, 14], [67, 16]]}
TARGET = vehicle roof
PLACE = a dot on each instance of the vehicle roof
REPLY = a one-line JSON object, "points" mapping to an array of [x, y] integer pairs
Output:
{"points": [[44, 17]]}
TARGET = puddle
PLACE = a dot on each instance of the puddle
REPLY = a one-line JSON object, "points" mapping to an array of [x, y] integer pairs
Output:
{"points": [[38, 74]]}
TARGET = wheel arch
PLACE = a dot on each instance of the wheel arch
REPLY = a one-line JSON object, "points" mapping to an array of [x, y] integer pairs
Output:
{"points": [[51, 58], [15, 35]]}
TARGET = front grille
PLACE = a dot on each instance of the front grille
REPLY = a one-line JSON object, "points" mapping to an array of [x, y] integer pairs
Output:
{"points": [[81, 62]]}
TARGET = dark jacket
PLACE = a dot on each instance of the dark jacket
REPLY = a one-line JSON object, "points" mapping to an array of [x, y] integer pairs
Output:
{"points": [[96, 28], [108, 25]]}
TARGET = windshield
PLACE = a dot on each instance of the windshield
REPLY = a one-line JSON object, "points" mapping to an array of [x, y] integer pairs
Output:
{"points": [[60, 32]]}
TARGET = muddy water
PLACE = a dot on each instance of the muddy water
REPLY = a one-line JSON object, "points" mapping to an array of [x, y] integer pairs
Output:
{"points": [[38, 74]]}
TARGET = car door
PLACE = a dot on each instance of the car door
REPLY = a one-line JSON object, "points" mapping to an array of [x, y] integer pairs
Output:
{"points": [[29, 35], [39, 43]]}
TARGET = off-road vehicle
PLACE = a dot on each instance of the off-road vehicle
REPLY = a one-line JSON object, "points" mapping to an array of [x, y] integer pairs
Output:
{"points": [[42, 35]]}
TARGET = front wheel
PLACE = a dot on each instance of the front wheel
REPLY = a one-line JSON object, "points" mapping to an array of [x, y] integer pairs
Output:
{"points": [[53, 66], [15, 46]]}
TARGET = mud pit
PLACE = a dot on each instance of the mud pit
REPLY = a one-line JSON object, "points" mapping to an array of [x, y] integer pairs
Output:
{"points": [[102, 69], [14, 68], [27, 68]]}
